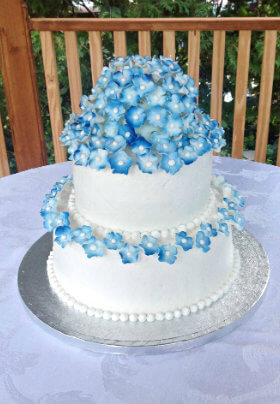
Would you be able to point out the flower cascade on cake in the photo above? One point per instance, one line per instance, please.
(142, 111)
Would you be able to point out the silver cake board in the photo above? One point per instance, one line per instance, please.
(188, 332)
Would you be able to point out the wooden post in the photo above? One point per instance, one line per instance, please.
(20, 85)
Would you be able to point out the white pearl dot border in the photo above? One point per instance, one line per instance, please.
(142, 317)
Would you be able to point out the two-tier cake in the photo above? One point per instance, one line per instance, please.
(143, 231)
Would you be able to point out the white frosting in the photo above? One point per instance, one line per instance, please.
(140, 201)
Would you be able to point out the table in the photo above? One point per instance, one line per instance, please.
(35, 367)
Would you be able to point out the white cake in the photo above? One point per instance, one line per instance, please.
(142, 234)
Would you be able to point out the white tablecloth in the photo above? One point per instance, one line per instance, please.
(35, 367)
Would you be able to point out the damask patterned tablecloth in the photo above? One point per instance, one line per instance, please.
(35, 367)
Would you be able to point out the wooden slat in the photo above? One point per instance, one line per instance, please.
(74, 72)
(169, 44)
(20, 85)
(241, 93)
(278, 152)
(4, 163)
(268, 62)
(144, 43)
(50, 68)
(217, 75)
(120, 43)
(96, 55)
(155, 24)
(193, 55)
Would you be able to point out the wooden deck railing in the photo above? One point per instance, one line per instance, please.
(22, 93)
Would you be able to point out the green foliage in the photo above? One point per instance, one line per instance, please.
(161, 8)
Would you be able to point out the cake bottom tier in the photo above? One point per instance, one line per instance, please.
(147, 289)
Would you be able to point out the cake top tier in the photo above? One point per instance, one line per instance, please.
(142, 111)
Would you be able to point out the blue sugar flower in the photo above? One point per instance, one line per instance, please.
(115, 144)
(157, 97)
(149, 245)
(81, 155)
(148, 163)
(82, 134)
(167, 253)
(111, 129)
(165, 145)
(224, 214)
(123, 78)
(112, 91)
(173, 127)
(95, 129)
(128, 133)
(135, 116)
(171, 85)
(238, 221)
(114, 110)
(238, 198)
(113, 241)
(189, 104)
(87, 115)
(171, 163)
(63, 235)
(120, 163)
(202, 241)
(94, 248)
(97, 142)
(98, 159)
(101, 102)
(141, 146)
(67, 137)
(105, 77)
(82, 234)
(129, 96)
(200, 145)
(188, 123)
(223, 227)
(192, 90)
(157, 116)
(188, 154)
(184, 241)
(144, 84)
(175, 105)
(49, 205)
(208, 229)
(129, 253)
(53, 220)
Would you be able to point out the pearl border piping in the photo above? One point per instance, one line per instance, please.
(142, 317)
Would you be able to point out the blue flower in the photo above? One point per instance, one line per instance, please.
(148, 163)
(189, 104)
(82, 134)
(97, 142)
(98, 159)
(173, 126)
(171, 163)
(49, 205)
(188, 123)
(123, 78)
(157, 97)
(135, 116)
(184, 241)
(216, 139)
(129, 96)
(112, 91)
(157, 116)
(129, 253)
(128, 133)
(175, 105)
(144, 84)
(113, 241)
(200, 145)
(63, 235)
(238, 221)
(111, 128)
(171, 85)
(101, 102)
(120, 163)
(104, 78)
(165, 145)
(94, 248)
(87, 115)
(202, 241)
(115, 144)
(188, 154)
(67, 137)
(224, 214)
(81, 155)
(141, 146)
(167, 253)
(95, 129)
(208, 229)
(53, 220)
(149, 245)
(114, 110)
(82, 234)
(223, 227)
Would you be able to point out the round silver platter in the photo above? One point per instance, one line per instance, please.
(140, 338)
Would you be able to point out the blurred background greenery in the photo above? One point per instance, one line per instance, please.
(161, 8)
